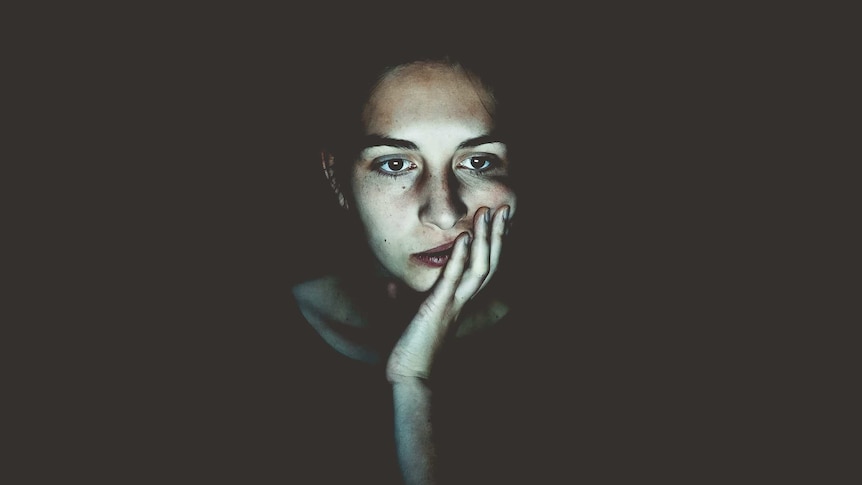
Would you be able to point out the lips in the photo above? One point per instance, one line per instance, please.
(435, 257)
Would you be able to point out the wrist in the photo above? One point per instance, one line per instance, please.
(408, 381)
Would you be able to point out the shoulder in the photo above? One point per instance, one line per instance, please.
(328, 307)
(320, 297)
(326, 299)
(314, 289)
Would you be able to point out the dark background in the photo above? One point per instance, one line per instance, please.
(184, 202)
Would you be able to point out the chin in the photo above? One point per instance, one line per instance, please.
(423, 283)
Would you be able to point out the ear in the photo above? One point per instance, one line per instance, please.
(327, 161)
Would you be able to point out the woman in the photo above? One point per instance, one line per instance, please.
(417, 322)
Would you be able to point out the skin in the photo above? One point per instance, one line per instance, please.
(431, 175)
(411, 200)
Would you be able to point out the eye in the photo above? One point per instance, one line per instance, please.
(394, 166)
(480, 163)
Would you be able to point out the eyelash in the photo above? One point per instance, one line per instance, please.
(378, 167)
(492, 160)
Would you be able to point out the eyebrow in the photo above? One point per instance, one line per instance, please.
(480, 140)
(369, 141)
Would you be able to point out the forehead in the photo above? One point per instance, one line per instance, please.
(427, 92)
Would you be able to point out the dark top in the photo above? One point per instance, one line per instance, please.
(342, 414)
(252, 394)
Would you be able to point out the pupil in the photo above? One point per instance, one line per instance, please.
(396, 164)
(477, 162)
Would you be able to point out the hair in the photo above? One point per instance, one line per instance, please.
(339, 121)
(342, 94)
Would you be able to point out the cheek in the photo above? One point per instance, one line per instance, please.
(379, 215)
(493, 197)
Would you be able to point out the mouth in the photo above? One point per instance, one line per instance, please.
(435, 257)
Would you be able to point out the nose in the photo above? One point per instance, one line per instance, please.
(442, 205)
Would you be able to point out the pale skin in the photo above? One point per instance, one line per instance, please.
(430, 190)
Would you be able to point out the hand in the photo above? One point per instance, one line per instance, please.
(471, 266)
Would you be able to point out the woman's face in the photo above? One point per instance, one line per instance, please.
(430, 160)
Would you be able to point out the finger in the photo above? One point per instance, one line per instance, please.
(415, 349)
(440, 299)
(454, 270)
(480, 253)
(498, 230)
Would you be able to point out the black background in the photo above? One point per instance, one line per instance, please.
(185, 199)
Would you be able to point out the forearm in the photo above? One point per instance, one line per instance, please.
(413, 431)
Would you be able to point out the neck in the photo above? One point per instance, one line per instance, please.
(384, 302)
(363, 317)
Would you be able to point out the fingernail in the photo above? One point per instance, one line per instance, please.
(506, 214)
(466, 240)
(488, 215)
